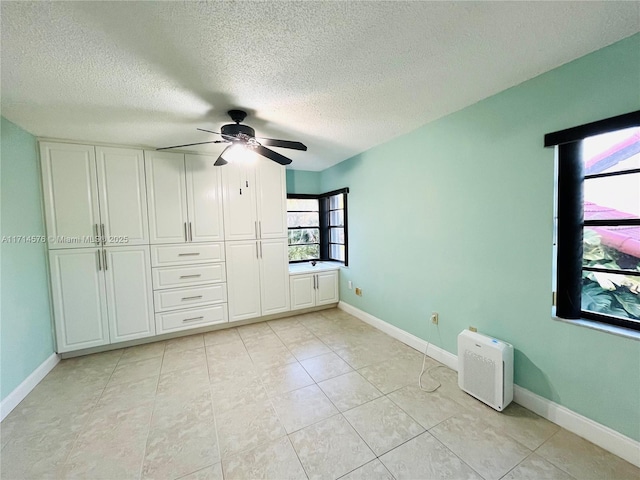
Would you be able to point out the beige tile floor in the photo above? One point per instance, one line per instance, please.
(318, 396)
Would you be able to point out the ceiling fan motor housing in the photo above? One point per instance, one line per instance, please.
(234, 132)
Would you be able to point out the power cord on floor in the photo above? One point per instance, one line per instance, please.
(422, 372)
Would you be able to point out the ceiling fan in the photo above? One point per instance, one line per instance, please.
(243, 136)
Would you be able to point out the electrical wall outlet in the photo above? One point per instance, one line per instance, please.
(434, 318)
(358, 291)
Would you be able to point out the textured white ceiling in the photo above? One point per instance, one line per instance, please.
(340, 77)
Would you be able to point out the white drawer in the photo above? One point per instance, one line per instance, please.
(176, 298)
(191, 318)
(170, 277)
(186, 254)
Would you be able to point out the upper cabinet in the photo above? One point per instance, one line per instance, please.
(185, 204)
(93, 195)
(254, 200)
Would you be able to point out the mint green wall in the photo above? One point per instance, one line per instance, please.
(303, 181)
(456, 217)
(26, 339)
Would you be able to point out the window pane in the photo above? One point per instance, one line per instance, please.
(611, 294)
(611, 247)
(612, 152)
(302, 219)
(337, 235)
(336, 218)
(336, 252)
(304, 252)
(336, 202)
(612, 197)
(304, 235)
(302, 204)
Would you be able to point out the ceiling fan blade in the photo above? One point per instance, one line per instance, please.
(271, 142)
(221, 161)
(191, 144)
(208, 131)
(271, 155)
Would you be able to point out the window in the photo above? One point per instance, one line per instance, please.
(598, 224)
(318, 226)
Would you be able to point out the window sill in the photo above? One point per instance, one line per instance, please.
(602, 327)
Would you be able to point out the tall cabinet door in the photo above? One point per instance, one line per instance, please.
(166, 197)
(204, 199)
(123, 195)
(129, 293)
(239, 193)
(274, 276)
(70, 194)
(79, 306)
(243, 279)
(272, 199)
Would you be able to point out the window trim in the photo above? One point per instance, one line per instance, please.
(323, 213)
(570, 216)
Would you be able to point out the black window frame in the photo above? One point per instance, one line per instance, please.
(570, 217)
(325, 224)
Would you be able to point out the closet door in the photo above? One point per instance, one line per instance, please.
(78, 291)
(123, 196)
(166, 195)
(204, 199)
(239, 194)
(70, 194)
(127, 273)
(272, 199)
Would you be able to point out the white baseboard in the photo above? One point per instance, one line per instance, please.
(12, 400)
(595, 432)
(603, 436)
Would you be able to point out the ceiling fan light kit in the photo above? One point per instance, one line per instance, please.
(244, 137)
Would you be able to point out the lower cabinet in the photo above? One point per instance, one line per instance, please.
(101, 296)
(257, 278)
(313, 289)
(190, 289)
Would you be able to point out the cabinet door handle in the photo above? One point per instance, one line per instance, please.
(99, 262)
(314, 282)
(195, 275)
(195, 297)
(188, 254)
(192, 319)
(190, 233)
(97, 234)
(104, 257)
(186, 238)
(104, 238)
(257, 250)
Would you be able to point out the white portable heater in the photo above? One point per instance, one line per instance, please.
(485, 369)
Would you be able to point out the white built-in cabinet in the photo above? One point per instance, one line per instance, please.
(314, 289)
(185, 201)
(143, 243)
(255, 200)
(257, 278)
(96, 215)
(255, 218)
(101, 295)
(93, 195)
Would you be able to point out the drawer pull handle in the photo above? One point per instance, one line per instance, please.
(192, 319)
(195, 297)
(188, 254)
(195, 275)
